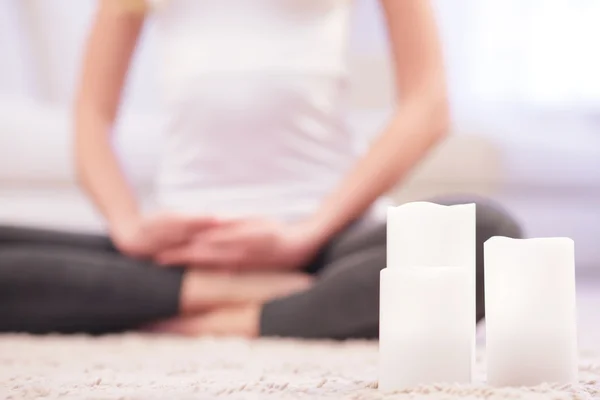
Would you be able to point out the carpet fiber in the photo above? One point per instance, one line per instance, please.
(140, 367)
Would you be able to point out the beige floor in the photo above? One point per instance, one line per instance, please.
(132, 367)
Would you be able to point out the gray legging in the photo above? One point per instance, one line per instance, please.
(67, 283)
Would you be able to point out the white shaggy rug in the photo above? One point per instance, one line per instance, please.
(132, 367)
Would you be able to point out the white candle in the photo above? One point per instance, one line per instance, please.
(425, 327)
(531, 333)
(423, 234)
(429, 282)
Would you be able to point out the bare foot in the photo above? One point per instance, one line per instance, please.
(203, 291)
(262, 287)
(242, 321)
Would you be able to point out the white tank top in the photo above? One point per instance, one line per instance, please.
(253, 93)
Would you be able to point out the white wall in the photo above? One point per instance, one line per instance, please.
(508, 51)
(17, 72)
(54, 31)
(58, 32)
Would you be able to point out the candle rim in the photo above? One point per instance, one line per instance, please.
(430, 205)
(430, 270)
(524, 241)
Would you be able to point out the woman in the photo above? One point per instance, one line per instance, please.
(259, 187)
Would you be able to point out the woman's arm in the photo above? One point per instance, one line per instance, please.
(107, 58)
(420, 121)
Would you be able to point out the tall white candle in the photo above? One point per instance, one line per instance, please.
(425, 327)
(423, 234)
(429, 282)
(531, 333)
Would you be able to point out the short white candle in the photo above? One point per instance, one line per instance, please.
(531, 333)
(430, 260)
(425, 327)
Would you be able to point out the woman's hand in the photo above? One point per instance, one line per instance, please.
(245, 244)
(146, 236)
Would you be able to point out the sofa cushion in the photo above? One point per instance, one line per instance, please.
(36, 149)
(52, 207)
(36, 144)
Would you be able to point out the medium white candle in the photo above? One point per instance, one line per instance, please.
(423, 234)
(425, 327)
(430, 259)
(531, 333)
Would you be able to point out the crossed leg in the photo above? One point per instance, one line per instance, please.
(67, 283)
(56, 282)
(344, 301)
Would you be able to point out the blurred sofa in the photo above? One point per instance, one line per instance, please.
(544, 167)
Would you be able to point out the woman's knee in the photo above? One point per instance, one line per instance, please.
(343, 304)
(492, 219)
(362, 236)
